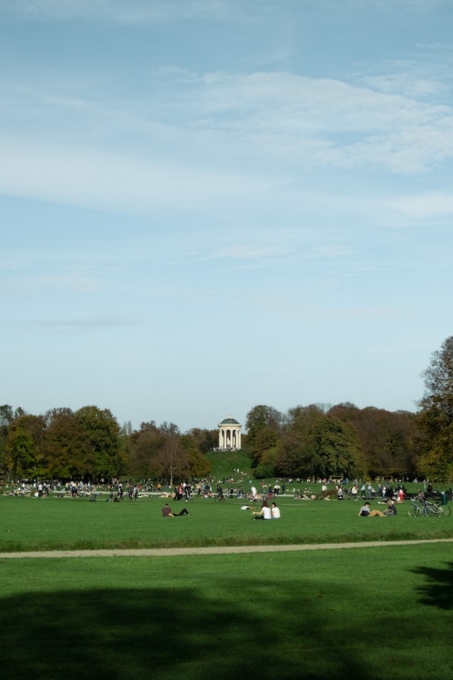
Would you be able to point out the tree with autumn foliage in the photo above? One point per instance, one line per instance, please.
(199, 467)
(318, 444)
(264, 426)
(67, 447)
(390, 441)
(435, 418)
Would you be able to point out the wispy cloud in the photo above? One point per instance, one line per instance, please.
(278, 253)
(324, 121)
(434, 205)
(334, 250)
(88, 323)
(303, 310)
(250, 253)
(406, 84)
(119, 11)
(240, 136)
(112, 180)
(142, 11)
(11, 263)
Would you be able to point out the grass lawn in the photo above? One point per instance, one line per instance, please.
(369, 614)
(50, 524)
(226, 463)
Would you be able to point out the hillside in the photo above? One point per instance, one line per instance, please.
(226, 463)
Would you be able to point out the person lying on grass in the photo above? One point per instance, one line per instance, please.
(365, 511)
(166, 512)
(264, 513)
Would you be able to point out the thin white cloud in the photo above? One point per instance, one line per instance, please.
(211, 137)
(88, 323)
(433, 205)
(113, 181)
(152, 11)
(301, 310)
(11, 263)
(323, 121)
(406, 84)
(334, 250)
(250, 253)
(275, 252)
(118, 11)
(55, 281)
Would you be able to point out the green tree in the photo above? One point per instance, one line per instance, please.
(296, 455)
(337, 449)
(142, 448)
(6, 418)
(199, 467)
(102, 431)
(23, 447)
(389, 441)
(267, 465)
(318, 445)
(435, 418)
(204, 440)
(264, 424)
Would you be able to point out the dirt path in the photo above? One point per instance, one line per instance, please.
(171, 552)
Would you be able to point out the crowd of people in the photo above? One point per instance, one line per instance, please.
(385, 493)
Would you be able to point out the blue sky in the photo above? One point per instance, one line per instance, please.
(211, 204)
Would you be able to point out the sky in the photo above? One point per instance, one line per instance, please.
(207, 205)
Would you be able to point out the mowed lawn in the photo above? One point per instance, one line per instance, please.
(49, 524)
(371, 614)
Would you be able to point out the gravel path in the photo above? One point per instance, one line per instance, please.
(170, 552)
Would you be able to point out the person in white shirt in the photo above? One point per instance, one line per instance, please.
(265, 512)
(275, 511)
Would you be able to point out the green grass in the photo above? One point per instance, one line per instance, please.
(226, 463)
(367, 614)
(51, 524)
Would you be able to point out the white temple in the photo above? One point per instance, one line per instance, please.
(229, 434)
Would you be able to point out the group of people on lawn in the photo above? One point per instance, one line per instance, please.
(266, 512)
(273, 512)
(365, 510)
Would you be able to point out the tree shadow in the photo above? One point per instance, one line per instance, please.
(115, 633)
(438, 591)
(250, 628)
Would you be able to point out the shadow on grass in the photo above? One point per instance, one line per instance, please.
(123, 633)
(438, 591)
(249, 629)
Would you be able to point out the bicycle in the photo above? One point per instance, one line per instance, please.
(422, 507)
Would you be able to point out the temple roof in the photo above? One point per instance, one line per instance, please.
(229, 421)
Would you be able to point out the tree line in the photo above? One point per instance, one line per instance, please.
(343, 440)
(340, 441)
(90, 444)
(307, 441)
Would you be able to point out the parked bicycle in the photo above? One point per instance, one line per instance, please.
(422, 507)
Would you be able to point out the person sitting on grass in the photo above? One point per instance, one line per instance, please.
(264, 513)
(365, 511)
(391, 509)
(166, 512)
(275, 511)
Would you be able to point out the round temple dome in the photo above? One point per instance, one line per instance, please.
(229, 421)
